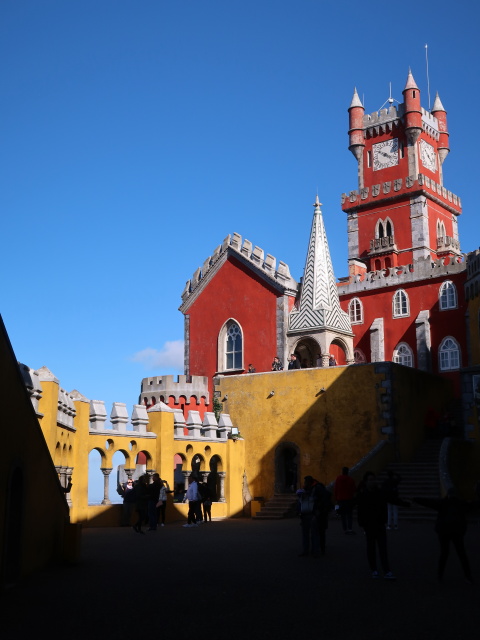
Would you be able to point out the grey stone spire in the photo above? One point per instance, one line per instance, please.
(437, 105)
(356, 102)
(319, 305)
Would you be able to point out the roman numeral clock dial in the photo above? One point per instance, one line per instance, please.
(385, 154)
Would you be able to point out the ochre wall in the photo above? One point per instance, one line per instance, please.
(332, 428)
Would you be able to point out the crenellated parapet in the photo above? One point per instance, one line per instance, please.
(119, 420)
(421, 269)
(158, 387)
(266, 266)
(399, 187)
(208, 429)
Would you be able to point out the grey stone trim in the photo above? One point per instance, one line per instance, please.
(377, 340)
(422, 269)
(417, 185)
(419, 225)
(186, 344)
(424, 341)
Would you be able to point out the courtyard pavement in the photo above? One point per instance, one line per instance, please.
(240, 578)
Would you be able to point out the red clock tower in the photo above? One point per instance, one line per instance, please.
(404, 292)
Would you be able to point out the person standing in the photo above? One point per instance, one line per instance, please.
(294, 363)
(162, 501)
(277, 364)
(372, 517)
(153, 498)
(314, 504)
(450, 527)
(193, 498)
(141, 502)
(344, 494)
(128, 494)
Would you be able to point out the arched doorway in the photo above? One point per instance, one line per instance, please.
(286, 468)
(307, 352)
(337, 349)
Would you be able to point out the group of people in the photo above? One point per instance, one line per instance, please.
(147, 500)
(199, 503)
(377, 511)
(294, 362)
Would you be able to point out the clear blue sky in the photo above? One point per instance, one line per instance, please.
(136, 134)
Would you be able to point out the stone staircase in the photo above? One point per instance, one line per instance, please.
(282, 505)
(420, 478)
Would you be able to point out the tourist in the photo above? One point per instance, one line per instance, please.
(372, 517)
(277, 364)
(451, 526)
(193, 497)
(294, 362)
(344, 494)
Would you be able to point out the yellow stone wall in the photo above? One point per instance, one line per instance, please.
(335, 416)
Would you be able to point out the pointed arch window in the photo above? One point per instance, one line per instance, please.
(448, 296)
(402, 354)
(355, 311)
(359, 356)
(230, 346)
(401, 305)
(449, 355)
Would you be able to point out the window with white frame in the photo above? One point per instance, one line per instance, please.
(233, 346)
(402, 354)
(449, 355)
(448, 296)
(355, 311)
(401, 306)
(359, 356)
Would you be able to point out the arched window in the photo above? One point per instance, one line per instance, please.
(402, 354)
(359, 356)
(449, 355)
(448, 296)
(233, 346)
(400, 304)
(440, 229)
(355, 311)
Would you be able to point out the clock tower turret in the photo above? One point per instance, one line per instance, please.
(400, 212)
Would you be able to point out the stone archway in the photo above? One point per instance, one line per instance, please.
(287, 457)
(307, 352)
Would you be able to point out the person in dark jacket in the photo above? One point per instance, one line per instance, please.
(294, 362)
(390, 488)
(372, 518)
(451, 526)
(314, 505)
(141, 502)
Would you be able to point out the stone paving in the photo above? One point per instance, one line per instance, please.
(243, 579)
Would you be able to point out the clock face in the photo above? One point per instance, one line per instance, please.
(385, 154)
(427, 153)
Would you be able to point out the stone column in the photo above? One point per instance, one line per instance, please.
(221, 497)
(424, 342)
(106, 472)
(129, 472)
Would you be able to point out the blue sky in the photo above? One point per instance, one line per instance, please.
(136, 134)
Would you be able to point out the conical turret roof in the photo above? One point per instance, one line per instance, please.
(319, 305)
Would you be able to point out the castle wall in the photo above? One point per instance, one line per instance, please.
(333, 417)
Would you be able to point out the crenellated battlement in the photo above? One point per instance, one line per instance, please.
(186, 386)
(395, 188)
(421, 269)
(390, 116)
(246, 252)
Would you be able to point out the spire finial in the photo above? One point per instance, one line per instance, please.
(317, 204)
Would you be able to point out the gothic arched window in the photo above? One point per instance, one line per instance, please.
(230, 346)
(448, 296)
(400, 304)
(355, 311)
(359, 356)
(402, 354)
(449, 355)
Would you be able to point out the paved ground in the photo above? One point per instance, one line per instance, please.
(243, 579)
